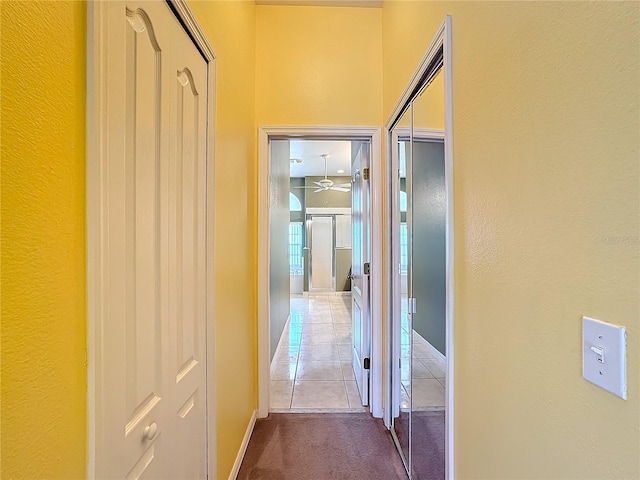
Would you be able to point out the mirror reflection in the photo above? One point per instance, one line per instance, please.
(426, 180)
(419, 315)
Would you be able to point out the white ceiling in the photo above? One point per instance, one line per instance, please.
(311, 151)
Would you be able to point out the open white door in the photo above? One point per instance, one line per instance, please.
(150, 252)
(321, 258)
(360, 311)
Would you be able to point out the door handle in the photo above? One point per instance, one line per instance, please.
(150, 431)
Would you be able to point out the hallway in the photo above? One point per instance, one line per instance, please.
(543, 127)
(312, 367)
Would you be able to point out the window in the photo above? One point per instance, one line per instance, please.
(343, 231)
(403, 249)
(295, 248)
(403, 202)
(294, 203)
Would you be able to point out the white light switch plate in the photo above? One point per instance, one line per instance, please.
(604, 355)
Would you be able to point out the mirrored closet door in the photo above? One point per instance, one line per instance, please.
(419, 299)
(426, 219)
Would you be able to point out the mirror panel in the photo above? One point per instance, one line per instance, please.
(427, 273)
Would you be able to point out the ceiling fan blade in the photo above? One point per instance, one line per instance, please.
(305, 187)
(318, 190)
(318, 184)
(340, 189)
(343, 185)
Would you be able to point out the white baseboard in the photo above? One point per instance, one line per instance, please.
(440, 358)
(243, 447)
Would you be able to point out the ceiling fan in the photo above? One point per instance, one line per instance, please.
(326, 184)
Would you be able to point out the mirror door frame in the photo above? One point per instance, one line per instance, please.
(440, 43)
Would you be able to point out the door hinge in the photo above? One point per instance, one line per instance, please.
(367, 268)
(365, 173)
(367, 363)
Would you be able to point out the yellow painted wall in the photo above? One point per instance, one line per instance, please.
(318, 65)
(43, 231)
(546, 125)
(546, 148)
(230, 28)
(43, 240)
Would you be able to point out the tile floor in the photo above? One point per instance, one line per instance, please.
(312, 369)
(425, 383)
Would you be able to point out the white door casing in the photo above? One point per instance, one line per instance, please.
(360, 308)
(379, 359)
(149, 245)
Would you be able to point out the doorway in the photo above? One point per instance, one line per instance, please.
(318, 322)
(321, 246)
(315, 363)
(312, 365)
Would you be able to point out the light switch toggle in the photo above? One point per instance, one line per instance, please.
(599, 351)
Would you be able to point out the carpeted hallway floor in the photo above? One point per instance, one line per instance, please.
(322, 446)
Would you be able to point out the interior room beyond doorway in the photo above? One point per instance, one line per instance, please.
(310, 276)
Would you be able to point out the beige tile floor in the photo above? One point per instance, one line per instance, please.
(424, 384)
(312, 369)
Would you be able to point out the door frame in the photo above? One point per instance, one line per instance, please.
(96, 131)
(378, 362)
(441, 41)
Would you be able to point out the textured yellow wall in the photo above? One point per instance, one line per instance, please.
(43, 231)
(546, 148)
(318, 65)
(230, 28)
(43, 240)
(546, 125)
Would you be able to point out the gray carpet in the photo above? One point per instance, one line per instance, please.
(322, 446)
(428, 454)
(428, 445)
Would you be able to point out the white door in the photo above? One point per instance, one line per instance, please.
(360, 278)
(321, 259)
(151, 382)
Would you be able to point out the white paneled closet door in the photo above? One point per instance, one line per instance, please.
(187, 258)
(152, 381)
